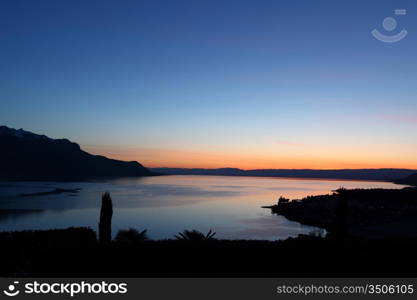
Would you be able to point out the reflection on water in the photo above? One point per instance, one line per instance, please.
(166, 205)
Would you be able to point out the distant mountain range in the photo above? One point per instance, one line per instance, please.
(358, 174)
(28, 156)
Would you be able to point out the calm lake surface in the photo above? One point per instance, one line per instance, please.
(165, 205)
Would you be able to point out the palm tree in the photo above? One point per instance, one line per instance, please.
(195, 235)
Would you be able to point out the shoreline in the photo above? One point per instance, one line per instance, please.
(365, 213)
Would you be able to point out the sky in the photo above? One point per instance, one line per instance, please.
(247, 84)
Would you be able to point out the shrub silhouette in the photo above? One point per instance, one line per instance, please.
(131, 235)
(106, 214)
(195, 235)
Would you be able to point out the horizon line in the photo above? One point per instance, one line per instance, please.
(290, 169)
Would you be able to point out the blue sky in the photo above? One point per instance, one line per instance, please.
(215, 83)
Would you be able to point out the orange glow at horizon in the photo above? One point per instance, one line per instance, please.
(318, 159)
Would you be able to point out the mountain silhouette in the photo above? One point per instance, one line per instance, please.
(28, 156)
(354, 174)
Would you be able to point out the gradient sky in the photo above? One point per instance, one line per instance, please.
(249, 84)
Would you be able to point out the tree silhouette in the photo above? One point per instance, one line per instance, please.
(342, 212)
(106, 214)
(195, 235)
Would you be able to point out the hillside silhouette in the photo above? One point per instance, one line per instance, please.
(357, 174)
(29, 156)
(365, 213)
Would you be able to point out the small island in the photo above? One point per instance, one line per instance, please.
(55, 191)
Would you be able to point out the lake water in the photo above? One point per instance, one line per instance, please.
(165, 205)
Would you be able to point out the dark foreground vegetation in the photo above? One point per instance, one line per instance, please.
(75, 252)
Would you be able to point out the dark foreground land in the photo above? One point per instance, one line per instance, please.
(75, 252)
(371, 233)
(26, 156)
